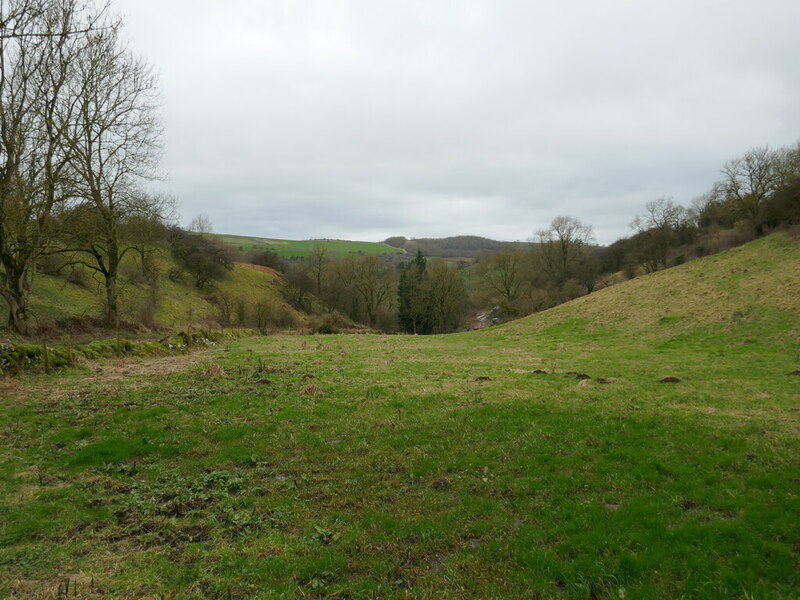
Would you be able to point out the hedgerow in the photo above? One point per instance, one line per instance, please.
(19, 358)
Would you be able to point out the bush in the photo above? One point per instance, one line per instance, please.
(79, 276)
(205, 258)
(133, 273)
(329, 323)
(271, 314)
(267, 258)
(51, 264)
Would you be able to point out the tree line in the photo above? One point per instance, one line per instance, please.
(79, 138)
(462, 246)
(372, 290)
(757, 193)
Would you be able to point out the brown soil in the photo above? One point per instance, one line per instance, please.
(133, 371)
(268, 270)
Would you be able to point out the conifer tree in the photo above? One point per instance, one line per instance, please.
(410, 302)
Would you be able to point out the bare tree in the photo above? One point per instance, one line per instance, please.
(201, 224)
(445, 297)
(39, 41)
(784, 205)
(373, 283)
(657, 229)
(318, 261)
(750, 179)
(503, 273)
(21, 19)
(113, 139)
(562, 247)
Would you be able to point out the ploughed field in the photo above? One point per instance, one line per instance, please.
(541, 459)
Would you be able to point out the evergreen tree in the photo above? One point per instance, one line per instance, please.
(410, 302)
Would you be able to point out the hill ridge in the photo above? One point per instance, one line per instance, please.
(763, 274)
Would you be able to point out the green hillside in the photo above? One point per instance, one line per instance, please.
(460, 246)
(721, 290)
(541, 459)
(172, 302)
(302, 248)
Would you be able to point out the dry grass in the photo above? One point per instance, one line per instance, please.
(700, 292)
(122, 373)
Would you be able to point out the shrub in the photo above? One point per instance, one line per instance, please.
(204, 258)
(330, 323)
(79, 276)
(267, 258)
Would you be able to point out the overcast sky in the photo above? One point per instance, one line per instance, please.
(361, 119)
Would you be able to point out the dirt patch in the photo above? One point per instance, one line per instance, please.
(669, 380)
(577, 375)
(688, 504)
(134, 371)
(261, 268)
(145, 367)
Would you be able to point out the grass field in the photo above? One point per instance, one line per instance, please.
(478, 465)
(171, 303)
(302, 248)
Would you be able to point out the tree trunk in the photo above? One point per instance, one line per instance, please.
(16, 293)
(112, 301)
(17, 313)
(112, 309)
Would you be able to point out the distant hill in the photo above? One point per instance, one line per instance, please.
(302, 248)
(461, 246)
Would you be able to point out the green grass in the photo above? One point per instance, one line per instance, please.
(302, 248)
(178, 303)
(372, 466)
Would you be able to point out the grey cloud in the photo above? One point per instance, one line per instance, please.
(365, 119)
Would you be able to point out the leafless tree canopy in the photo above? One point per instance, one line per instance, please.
(562, 245)
(201, 224)
(751, 179)
(79, 134)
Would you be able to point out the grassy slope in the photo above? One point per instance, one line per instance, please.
(735, 312)
(301, 248)
(179, 303)
(391, 467)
